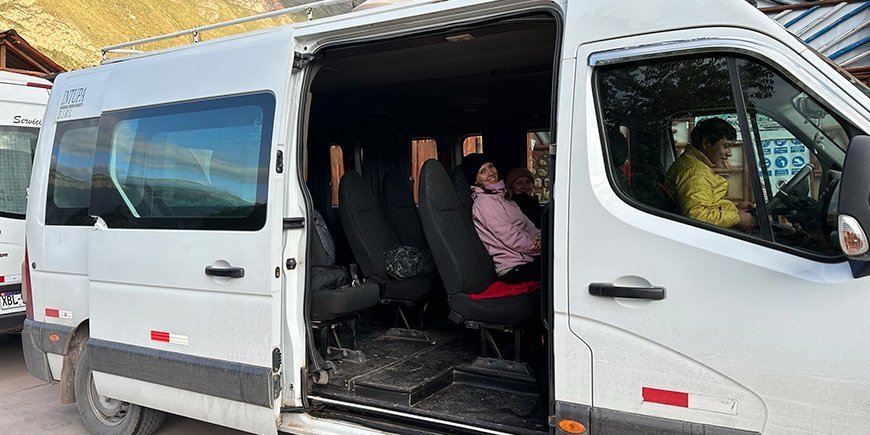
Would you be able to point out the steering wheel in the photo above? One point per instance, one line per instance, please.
(789, 192)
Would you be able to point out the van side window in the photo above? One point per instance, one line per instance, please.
(422, 149)
(336, 166)
(537, 159)
(472, 144)
(676, 142)
(198, 165)
(16, 158)
(69, 178)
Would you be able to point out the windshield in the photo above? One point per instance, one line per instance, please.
(17, 145)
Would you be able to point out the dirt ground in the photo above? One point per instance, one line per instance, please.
(30, 406)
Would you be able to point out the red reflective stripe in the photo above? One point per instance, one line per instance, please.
(665, 397)
(160, 336)
(39, 85)
(2, 279)
(51, 312)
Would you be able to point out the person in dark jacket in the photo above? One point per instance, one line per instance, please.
(518, 185)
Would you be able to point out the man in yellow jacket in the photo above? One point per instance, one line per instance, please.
(699, 191)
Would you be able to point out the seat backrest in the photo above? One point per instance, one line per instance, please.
(318, 256)
(460, 257)
(397, 203)
(463, 189)
(366, 228)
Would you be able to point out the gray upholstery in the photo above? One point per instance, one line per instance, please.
(411, 289)
(460, 257)
(335, 303)
(366, 228)
(463, 189)
(317, 253)
(397, 203)
(513, 310)
(369, 236)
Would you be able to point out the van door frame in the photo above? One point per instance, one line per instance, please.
(305, 62)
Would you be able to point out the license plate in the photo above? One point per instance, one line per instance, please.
(10, 300)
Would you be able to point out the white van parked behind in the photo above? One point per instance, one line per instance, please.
(22, 106)
(228, 230)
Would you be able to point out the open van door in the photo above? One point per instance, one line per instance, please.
(185, 254)
(694, 316)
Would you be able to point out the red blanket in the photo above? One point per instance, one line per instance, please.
(501, 289)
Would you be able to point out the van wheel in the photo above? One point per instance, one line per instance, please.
(104, 415)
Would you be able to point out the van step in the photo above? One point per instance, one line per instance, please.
(414, 378)
(484, 406)
(403, 395)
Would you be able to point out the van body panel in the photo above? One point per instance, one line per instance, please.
(21, 111)
(52, 246)
(755, 341)
(237, 415)
(593, 21)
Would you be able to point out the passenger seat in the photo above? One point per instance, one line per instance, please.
(463, 262)
(463, 189)
(370, 236)
(336, 297)
(397, 203)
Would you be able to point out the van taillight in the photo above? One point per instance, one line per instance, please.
(26, 293)
(39, 85)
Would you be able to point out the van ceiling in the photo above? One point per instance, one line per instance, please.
(502, 72)
(496, 48)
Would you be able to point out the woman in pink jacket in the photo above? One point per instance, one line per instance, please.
(510, 237)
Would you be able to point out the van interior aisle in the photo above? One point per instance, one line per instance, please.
(386, 107)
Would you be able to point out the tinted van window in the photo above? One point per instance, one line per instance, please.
(16, 158)
(678, 145)
(197, 165)
(69, 180)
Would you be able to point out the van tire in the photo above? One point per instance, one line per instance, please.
(109, 416)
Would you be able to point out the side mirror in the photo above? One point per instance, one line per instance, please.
(854, 202)
(807, 107)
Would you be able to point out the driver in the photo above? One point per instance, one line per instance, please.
(700, 192)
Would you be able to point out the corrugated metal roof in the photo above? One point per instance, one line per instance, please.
(838, 29)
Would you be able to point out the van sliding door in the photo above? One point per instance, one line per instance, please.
(184, 259)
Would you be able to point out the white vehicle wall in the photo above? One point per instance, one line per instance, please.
(22, 106)
(776, 348)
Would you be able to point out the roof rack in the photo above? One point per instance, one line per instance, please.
(308, 8)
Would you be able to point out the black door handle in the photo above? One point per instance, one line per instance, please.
(610, 290)
(228, 272)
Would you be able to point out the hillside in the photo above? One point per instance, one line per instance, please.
(71, 32)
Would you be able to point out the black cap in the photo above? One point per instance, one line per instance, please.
(471, 165)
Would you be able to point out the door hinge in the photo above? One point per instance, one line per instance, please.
(276, 359)
(552, 149)
(279, 162)
(301, 60)
(276, 385)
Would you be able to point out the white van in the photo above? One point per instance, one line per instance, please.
(22, 105)
(182, 201)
